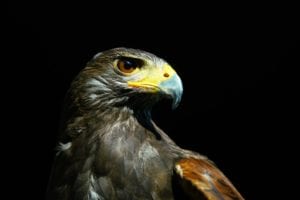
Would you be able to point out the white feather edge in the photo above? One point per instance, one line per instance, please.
(63, 147)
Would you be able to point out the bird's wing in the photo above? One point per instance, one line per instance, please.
(200, 179)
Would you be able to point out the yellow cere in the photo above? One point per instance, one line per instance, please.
(153, 77)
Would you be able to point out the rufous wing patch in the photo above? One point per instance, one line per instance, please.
(203, 180)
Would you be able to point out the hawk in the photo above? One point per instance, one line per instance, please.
(109, 147)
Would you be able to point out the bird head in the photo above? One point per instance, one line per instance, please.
(123, 76)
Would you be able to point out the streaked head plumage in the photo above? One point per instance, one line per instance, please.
(117, 76)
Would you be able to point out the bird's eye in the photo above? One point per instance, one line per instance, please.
(128, 65)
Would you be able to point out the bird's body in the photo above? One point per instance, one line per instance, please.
(111, 149)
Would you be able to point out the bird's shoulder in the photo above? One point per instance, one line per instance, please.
(199, 178)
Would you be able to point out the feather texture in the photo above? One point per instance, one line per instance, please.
(109, 148)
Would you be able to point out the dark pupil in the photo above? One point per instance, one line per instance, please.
(129, 64)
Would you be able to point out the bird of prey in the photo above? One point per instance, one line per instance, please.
(109, 147)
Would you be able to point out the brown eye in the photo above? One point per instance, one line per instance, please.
(128, 65)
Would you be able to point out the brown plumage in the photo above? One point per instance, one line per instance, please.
(109, 147)
(209, 181)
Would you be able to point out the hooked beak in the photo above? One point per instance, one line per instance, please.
(173, 88)
(164, 81)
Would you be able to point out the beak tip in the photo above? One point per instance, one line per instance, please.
(174, 89)
(175, 104)
(176, 99)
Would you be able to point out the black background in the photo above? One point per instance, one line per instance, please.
(237, 63)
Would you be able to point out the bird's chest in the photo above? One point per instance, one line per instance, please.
(133, 167)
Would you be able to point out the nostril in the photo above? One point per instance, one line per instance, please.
(166, 75)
